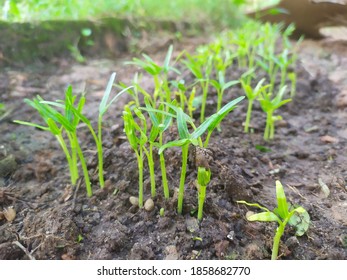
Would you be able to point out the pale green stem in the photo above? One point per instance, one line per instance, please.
(163, 169)
(73, 168)
(73, 152)
(84, 168)
(139, 156)
(183, 178)
(100, 152)
(248, 116)
(276, 243)
(149, 155)
(203, 103)
(269, 122)
(207, 140)
(202, 195)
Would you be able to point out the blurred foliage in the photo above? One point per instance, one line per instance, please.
(219, 12)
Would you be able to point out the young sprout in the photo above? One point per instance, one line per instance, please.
(160, 123)
(220, 85)
(269, 106)
(57, 123)
(137, 139)
(204, 177)
(201, 68)
(159, 74)
(187, 138)
(251, 94)
(284, 214)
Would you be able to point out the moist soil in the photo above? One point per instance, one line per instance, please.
(57, 221)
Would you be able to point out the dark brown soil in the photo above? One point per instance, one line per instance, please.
(55, 221)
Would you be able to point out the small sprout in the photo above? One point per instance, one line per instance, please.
(251, 94)
(79, 238)
(67, 122)
(285, 213)
(204, 177)
(197, 238)
(269, 106)
(162, 212)
(187, 138)
(262, 149)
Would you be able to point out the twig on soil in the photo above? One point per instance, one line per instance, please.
(25, 250)
(294, 189)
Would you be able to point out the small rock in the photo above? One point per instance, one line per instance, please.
(149, 205)
(134, 201)
(10, 214)
(329, 139)
(192, 224)
(7, 165)
(341, 99)
(292, 242)
(171, 253)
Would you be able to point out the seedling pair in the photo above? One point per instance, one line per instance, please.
(186, 138)
(283, 214)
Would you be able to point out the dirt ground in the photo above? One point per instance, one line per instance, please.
(55, 221)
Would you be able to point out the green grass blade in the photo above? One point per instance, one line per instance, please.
(103, 103)
(282, 205)
(264, 217)
(32, 124)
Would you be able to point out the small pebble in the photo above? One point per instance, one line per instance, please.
(10, 214)
(149, 205)
(134, 200)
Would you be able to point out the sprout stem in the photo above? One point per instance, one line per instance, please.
(139, 156)
(163, 169)
(185, 149)
(248, 116)
(84, 168)
(202, 195)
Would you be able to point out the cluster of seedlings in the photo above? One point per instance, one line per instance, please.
(173, 102)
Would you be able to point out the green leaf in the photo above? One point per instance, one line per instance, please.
(230, 84)
(300, 220)
(32, 124)
(282, 205)
(53, 127)
(204, 176)
(253, 205)
(264, 217)
(166, 65)
(103, 103)
(213, 121)
(176, 143)
(182, 125)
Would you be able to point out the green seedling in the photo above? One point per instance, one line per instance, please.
(160, 123)
(204, 177)
(68, 122)
(162, 212)
(159, 74)
(187, 138)
(74, 115)
(201, 68)
(251, 94)
(220, 85)
(137, 139)
(284, 214)
(269, 106)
